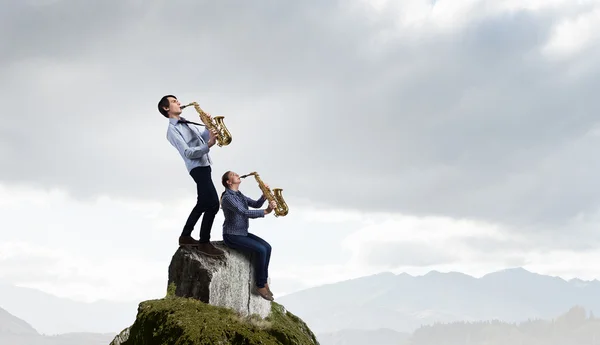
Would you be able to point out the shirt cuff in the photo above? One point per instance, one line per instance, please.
(257, 213)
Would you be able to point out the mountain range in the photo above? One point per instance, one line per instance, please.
(403, 302)
(15, 331)
(385, 306)
(53, 315)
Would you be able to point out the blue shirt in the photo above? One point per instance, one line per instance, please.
(191, 142)
(235, 208)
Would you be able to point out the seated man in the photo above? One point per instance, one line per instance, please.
(235, 228)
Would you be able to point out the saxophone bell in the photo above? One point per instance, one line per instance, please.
(214, 123)
(281, 208)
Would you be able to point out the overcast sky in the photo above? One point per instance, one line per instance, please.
(406, 135)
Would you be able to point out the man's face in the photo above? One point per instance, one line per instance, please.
(174, 106)
(234, 179)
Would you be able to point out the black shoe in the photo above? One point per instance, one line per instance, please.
(188, 241)
(208, 249)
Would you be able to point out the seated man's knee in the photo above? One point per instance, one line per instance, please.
(262, 251)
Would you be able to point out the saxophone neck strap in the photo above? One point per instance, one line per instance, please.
(187, 121)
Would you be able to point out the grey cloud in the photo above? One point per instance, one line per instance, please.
(404, 254)
(473, 124)
(60, 28)
(493, 246)
(510, 251)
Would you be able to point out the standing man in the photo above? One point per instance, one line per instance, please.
(194, 143)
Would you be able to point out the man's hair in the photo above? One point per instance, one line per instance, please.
(164, 103)
(224, 180)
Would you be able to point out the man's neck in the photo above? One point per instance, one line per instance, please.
(235, 188)
(176, 117)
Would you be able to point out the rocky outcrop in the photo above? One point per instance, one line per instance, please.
(210, 300)
(121, 337)
(187, 321)
(219, 281)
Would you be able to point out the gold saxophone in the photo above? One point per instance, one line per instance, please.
(223, 135)
(281, 208)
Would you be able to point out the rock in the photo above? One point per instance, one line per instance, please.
(121, 337)
(210, 301)
(226, 282)
(187, 321)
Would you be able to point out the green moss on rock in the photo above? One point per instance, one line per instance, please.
(187, 321)
(171, 290)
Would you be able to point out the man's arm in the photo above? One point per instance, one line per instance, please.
(256, 203)
(234, 205)
(176, 140)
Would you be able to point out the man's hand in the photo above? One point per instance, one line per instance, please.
(264, 195)
(272, 205)
(212, 139)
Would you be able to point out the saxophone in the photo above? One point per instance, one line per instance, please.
(281, 208)
(223, 135)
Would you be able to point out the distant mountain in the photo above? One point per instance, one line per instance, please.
(15, 331)
(362, 337)
(401, 303)
(404, 302)
(63, 339)
(50, 315)
(574, 327)
(10, 324)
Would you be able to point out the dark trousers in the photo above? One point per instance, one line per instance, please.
(259, 247)
(207, 203)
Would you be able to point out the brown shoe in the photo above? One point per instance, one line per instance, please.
(208, 249)
(188, 241)
(264, 293)
(269, 289)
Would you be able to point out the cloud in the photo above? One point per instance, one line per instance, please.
(118, 249)
(105, 249)
(449, 109)
(573, 35)
(406, 254)
(80, 277)
(409, 241)
(417, 245)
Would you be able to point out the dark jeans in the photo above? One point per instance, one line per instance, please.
(257, 246)
(207, 203)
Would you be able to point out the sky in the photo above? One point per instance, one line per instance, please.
(407, 136)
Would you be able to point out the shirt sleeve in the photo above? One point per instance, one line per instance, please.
(256, 203)
(235, 205)
(176, 140)
(204, 132)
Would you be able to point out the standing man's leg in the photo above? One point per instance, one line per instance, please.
(211, 209)
(208, 203)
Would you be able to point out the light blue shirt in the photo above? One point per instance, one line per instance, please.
(191, 142)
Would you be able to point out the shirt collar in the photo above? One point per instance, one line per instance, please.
(231, 191)
(173, 121)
